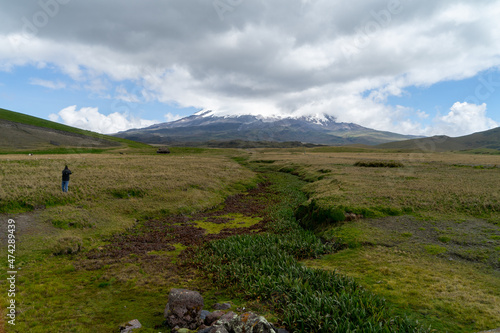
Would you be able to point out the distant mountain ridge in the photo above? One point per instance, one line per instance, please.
(489, 139)
(208, 126)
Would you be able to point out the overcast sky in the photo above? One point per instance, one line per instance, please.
(414, 67)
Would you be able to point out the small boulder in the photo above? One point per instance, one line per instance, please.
(204, 314)
(213, 317)
(252, 323)
(214, 329)
(247, 322)
(184, 309)
(222, 306)
(131, 325)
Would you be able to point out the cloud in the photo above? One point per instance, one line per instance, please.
(123, 95)
(171, 117)
(91, 119)
(48, 84)
(465, 118)
(280, 57)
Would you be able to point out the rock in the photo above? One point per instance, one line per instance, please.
(213, 317)
(131, 325)
(247, 322)
(204, 314)
(223, 306)
(251, 323)
(218, 329)
(163, 150)
(226, 318)
(184, 309)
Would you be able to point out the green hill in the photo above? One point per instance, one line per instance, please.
(23, 133)
(487, 141)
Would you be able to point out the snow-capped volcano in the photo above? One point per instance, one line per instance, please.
(207, 125)
(320, 119)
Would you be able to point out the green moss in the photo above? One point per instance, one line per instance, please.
(233, 221)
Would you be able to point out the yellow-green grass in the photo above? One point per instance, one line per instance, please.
(107, 193)
(452, 296)
(430, 185)
(451, 282)
(439, 268)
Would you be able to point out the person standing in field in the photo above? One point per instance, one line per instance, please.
(65, 178)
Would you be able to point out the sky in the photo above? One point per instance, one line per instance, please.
(427, 67)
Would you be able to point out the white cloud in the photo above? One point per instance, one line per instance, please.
(171, 117)
(124, 95)
(279, 57)
(91, 119)
(47, 83)
(465, 118)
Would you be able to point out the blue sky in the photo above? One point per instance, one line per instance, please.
(424, 68)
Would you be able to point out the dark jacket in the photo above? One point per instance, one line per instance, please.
(65, 174)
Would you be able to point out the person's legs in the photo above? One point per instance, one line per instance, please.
(65, 186)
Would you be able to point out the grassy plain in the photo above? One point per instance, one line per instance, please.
(108, 193)
(429, 239)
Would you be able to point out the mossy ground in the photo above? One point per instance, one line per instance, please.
(233, 220)
(444, 271)
(453, 297)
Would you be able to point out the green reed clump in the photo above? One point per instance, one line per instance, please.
(266, 267)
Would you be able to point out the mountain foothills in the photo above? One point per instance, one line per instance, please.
(488, 141)
(20, 132)
(207, 126)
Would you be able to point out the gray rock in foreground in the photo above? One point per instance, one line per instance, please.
(247, 322)
(131, 325)
(184, 309)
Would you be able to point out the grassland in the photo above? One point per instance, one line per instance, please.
(108, 193)
(429, 237)
(428, 242)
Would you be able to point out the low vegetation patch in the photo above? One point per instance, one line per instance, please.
(265, 267)
(379, 164)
